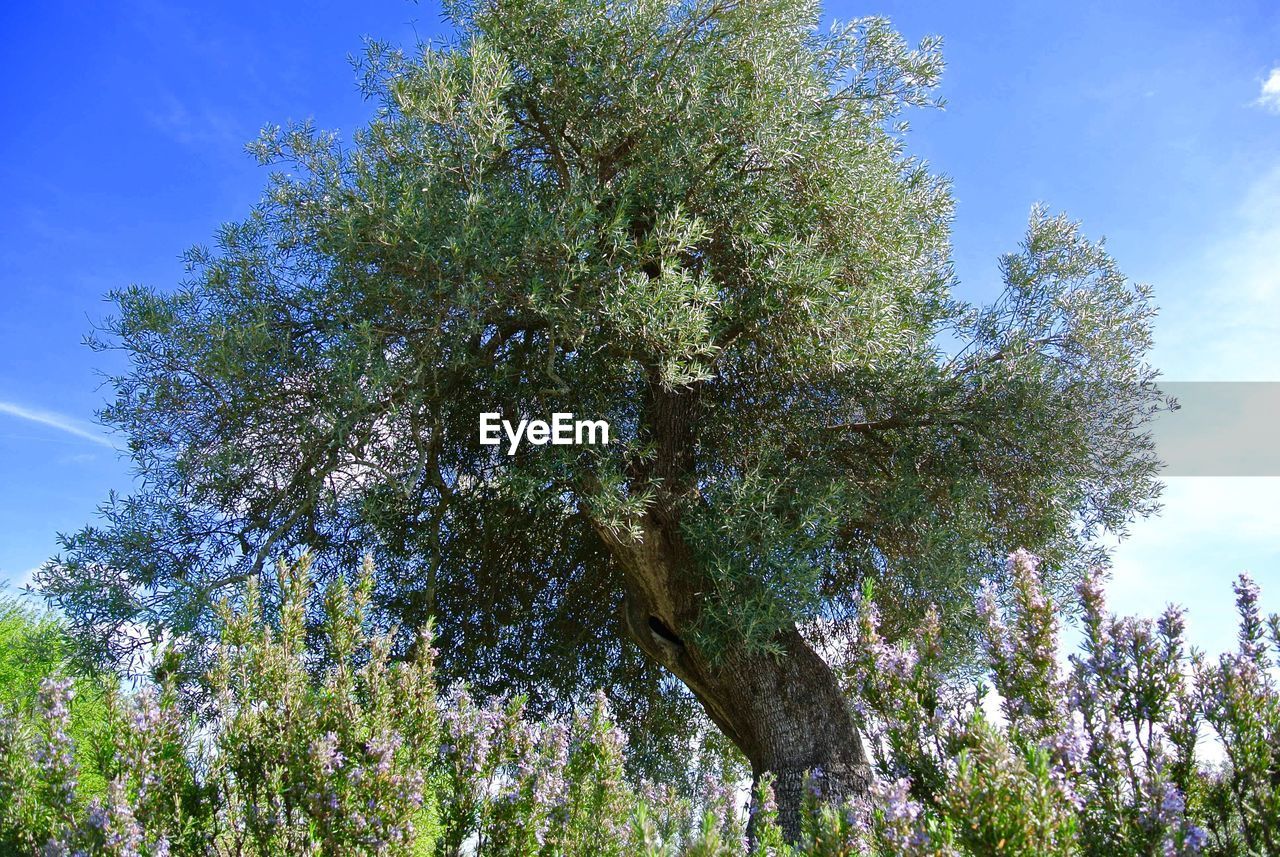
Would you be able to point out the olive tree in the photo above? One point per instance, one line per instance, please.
(698, 221)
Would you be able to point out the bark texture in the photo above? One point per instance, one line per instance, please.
(785, 712)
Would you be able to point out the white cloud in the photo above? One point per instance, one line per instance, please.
(1270, 96)
(1220, 309)
(1219, 321)
(57, 421)
(14, 582)
(1211, 530)
(1239, 509)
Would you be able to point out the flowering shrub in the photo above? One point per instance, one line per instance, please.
(355, 754)
(1238, 698)
(1100, 760)
(352, 755)
(34, 647)
(288, 764)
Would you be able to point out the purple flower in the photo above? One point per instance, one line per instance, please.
(326, 753)
(897, 661)
(896, 802)
(1023, 562)
(1069, 746)
(122, 834)
(1195, 838)
(382, 751)
(55, 752)
(1253, 644)
(988, 601)
(1173, 804)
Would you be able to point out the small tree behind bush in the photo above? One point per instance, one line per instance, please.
(34, 647)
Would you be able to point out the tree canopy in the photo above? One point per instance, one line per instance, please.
(696, 219)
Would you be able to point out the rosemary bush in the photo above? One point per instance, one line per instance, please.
(360, 753)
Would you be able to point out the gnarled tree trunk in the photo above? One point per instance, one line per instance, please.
(786, 713)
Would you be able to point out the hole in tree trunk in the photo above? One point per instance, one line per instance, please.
(663, 632)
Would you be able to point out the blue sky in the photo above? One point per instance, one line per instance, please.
(1156, 123)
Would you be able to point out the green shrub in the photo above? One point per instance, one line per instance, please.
(34, 647)
(358, 754)
(1100, 760)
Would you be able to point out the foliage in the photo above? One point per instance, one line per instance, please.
(1239, 700)
(697, 219)
(353, 755)
(1098, 761)
(34, 647)
(345, 755)
(288, 763)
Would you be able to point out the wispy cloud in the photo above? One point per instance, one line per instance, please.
(1211, 529)
(14, 583)
(201, 126)
(1220, 310)
(1220, 305)
(58, 421)
(1270, 96)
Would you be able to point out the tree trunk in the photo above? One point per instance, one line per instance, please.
(786, 713)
